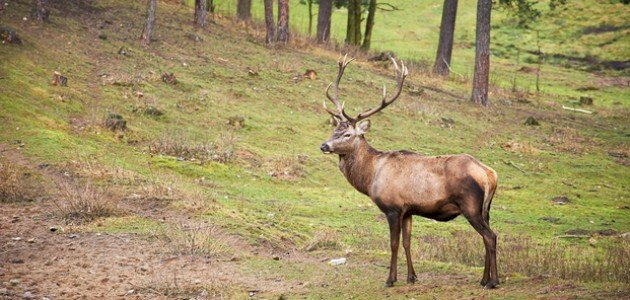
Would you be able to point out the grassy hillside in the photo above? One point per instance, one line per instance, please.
(570, 36)
(236, 149)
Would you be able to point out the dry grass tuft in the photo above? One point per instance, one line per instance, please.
(568, 139)
(176, 145)
(197, 240)
(286, 168)
(80, 202)
(521, 254)
(180, 288)
(324, 240)
(16, 185)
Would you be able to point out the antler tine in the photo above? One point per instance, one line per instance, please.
(341, 114)
(401, 74)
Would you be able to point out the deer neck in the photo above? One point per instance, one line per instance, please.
(359, 166)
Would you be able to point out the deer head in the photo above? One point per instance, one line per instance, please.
(351, 129)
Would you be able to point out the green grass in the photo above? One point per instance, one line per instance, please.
(284, 120)
(412, 32)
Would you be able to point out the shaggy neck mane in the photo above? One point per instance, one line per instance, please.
(359, 166)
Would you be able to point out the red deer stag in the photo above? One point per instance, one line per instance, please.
(403, 183)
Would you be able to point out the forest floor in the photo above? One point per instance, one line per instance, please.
(217, 187)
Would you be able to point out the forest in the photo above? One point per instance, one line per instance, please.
(179, 149)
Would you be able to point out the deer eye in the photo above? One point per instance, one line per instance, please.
(347, 135)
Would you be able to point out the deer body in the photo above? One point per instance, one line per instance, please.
(403, 183)
(411, 183)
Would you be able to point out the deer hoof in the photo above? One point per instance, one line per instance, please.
(412, 279)
(389, 283)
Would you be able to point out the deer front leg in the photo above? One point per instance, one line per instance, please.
(406, 233)
(394, 221)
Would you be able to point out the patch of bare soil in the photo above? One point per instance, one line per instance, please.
(63, 265)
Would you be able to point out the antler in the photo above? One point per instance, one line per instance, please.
(401, 74)
(341, 114)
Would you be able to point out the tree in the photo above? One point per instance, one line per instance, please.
(283, 21)
(482, 53)
(42, 10)
(353, 33)
(445, 46)
(244, 10)
(200, 12)
(269, 22)
(369, 25)
(148, 31)
(323, 21)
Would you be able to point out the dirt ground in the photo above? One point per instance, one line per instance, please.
(37, 262)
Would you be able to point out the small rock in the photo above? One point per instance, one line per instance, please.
(43, 166)
(17, 261)
(16, 239)
(561, 200)
(276, 257)
(625, 235)
(53, 229)
(102, 36)
(122, 51)
(30, 241)
(584, 100)
(337, 261)
(28, 295)
(73, 236)
(203, 295)
(4, 292)
(531, 121)
(14, 281)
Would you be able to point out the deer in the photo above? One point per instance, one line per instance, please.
(403, 183)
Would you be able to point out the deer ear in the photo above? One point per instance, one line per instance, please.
(363, 127)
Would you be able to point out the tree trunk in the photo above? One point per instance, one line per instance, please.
(244, 10)
(310, 17)
(210, 6)
(269, 22)
(445, 45)
(369, 25)
(148, 31)
(42, 10)
(323, 21)
(283, 21)
(200, 12)
(353, 33)
(482, 53)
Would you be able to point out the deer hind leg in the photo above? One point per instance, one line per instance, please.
(394, 219)
(406, 233)
(490, 277)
